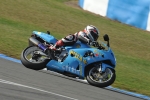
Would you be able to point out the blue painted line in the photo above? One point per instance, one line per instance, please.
(109, 87)
(129, 93)
(9, 58)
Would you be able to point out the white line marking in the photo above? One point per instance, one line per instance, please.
(12, 83)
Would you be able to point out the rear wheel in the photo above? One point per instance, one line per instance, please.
(31, 58)
(100, 79)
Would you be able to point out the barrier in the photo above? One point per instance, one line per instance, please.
(134, 13)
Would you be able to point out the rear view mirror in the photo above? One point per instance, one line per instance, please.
(106, 37)
(48, 32)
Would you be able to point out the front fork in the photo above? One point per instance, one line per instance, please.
(103, 67)
(102, 73)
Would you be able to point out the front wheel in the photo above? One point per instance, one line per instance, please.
(31, 58)
(100, 79)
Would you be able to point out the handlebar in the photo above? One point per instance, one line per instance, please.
(99, 46)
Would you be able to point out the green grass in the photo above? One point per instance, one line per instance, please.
(18, 18)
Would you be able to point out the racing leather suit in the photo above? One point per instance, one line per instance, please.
(71, 39)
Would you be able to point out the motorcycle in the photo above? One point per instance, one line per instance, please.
(96, 65)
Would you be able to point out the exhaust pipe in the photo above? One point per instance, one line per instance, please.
(34, 41)
(37, 43)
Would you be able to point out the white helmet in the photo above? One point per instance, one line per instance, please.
(92, 32)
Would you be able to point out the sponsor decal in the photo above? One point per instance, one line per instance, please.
(78, 56)
(71, 69)
(39, 33)
(97, 53)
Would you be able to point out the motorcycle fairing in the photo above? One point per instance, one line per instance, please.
(69, 65)
(104, 66)
(47, 37)
(109, 55)
(74, 63)
(98, 56)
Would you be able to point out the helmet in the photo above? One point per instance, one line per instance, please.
(92, 32)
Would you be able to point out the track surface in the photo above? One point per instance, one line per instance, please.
(20, 83)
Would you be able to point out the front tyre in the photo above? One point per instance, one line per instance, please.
(100, 79)
(32, 60)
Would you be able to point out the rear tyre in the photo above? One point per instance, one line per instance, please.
(30, 59)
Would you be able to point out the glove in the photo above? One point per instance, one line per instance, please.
(90, 43)
(94, 43)
(52, 47)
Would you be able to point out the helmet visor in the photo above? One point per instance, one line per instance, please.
(94, 35)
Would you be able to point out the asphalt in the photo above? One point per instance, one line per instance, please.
(20, 83)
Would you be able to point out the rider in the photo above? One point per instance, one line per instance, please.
(89, 35)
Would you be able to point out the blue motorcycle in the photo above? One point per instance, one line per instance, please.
(95, 64)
